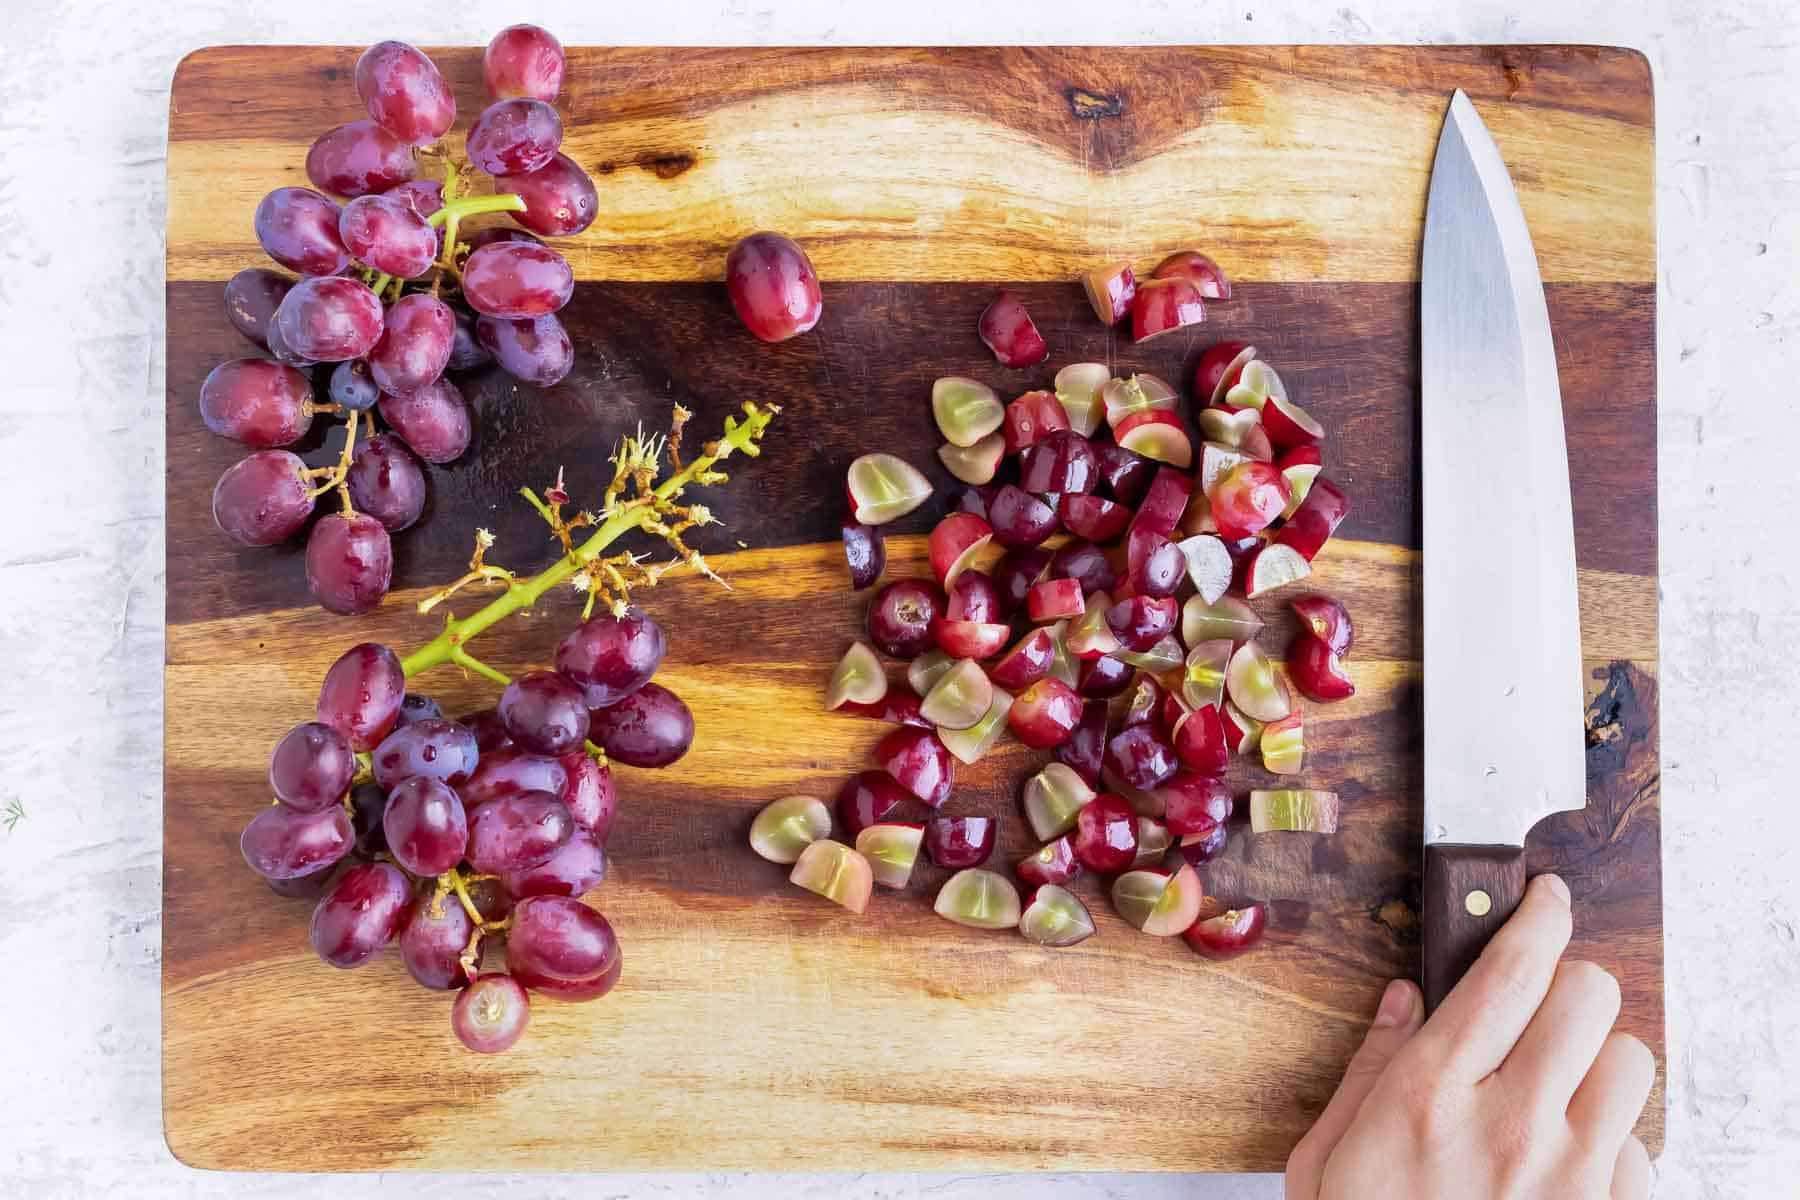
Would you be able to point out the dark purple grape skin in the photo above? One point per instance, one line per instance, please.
(434, 421)
(514, 136)
(560, 200)
(262, 499)
(311, 767)
(958, 842)
(415, 345)
(1085, 563)
(359, 158)
(284, 843)
(865, 549)
(1160, 567)
(509, 772)
(517, 279)
(490, 899)
(773, 286)
(1207, 846)
(1085, 750)
(368, 805)
(361, 694)
(257, 402)
(298, 228)
(611, 657)
(433, 747)
(489, 730)
(1019, 518)
(466, 351)
(1142, 621)
(523, 60)
(304, 887)
(592, 799)
(649, 728)
(1015, 574)
(544, 713)
(974, 499)
(360, 914)
(574, 870)
(404, 92)
(866, 798)
(388, 234)
(349, 563)
(386, 482)
(901, 615)
(1105, 677)
(353, 387)
(251, 298)
(432, 941)
(561, 938)
(1060, 461)
(535, 351)
(1127, 475)
(330, 319)
(280, 349)
(425, 826)
(415, 708)
(491, 1014)
(511, 833)
(1141, 756)
(972, 597)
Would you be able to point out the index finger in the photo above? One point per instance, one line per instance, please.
(1478, 1023)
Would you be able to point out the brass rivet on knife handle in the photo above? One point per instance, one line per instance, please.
(1470, 891)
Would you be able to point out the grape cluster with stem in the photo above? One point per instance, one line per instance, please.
(448, 835)
(393, 293)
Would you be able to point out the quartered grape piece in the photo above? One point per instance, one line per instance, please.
(1053, 798)
(785, 827)
(836, 872)
(978, 899)
(1293, 810)
(892, 849)
(1055, 917)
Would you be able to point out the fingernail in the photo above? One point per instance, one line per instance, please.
(1555, 884)
(1396, 1005)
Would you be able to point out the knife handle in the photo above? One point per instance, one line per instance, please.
(1470, 891)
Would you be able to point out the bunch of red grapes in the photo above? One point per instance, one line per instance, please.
(392, 297)
(447, 835)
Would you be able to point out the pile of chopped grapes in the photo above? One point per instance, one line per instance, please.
(394, 297)
(1089, 596)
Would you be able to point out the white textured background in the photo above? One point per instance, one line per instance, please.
(83, 98)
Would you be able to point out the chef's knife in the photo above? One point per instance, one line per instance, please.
(1505, 743)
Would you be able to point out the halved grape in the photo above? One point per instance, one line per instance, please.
(1056, 917)
(1255, 685)
(978, 899)
(360, 914)
(836, 872)
(959, 698)
(783, 828)
(892, 849)
(490, 1015)
(1203, 678)
(966, 411)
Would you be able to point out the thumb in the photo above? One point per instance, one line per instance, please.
(1401, 1013)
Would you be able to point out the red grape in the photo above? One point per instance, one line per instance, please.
(773, 286)
(284, 843)
(866, 798)
(432, 943)
(360, 914)
(1141, 756)
(490, 733)
(426, 828)
(575, 869)
(1105, 677)
(404, 92)
(1106, 834)
(279, 348)
(610, 657)
(865, 549)
(1087, 565)
(901, 616)
(415, 345)
(1126, 473)
(298, 228)
(388, 234)
(511, 833)
(490, 1015)
(592, 799)
(523, 60)
(311, 767)
(349, 563)
(514, 136)
(1142, 621)
(919, 762)
(434, 421)
(1044, 714)
(958, 842)
(1016, 574)
(649, 728)
(544, 713)
(1019, 518)
(1085, 749)
(330, 319)
(1010, 333)
(386, 482)
(973, 597)
(353, 387)
(508, 772)
(257, 402)
(361, 695)
(432, 747)
(1157, 565)
(517, 279)
(423, 196)
(304, 887)
(251, 298)
(497, 233)
(358, 159)
(560, 200)
(536, 350)
(262, 499)
(466, 351)
(561, 938)
(1061, 461)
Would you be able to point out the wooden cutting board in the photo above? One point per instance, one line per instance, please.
(758, 1027)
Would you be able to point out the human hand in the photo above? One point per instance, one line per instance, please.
(1515, 1089)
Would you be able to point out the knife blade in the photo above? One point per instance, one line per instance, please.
(1505, 742)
